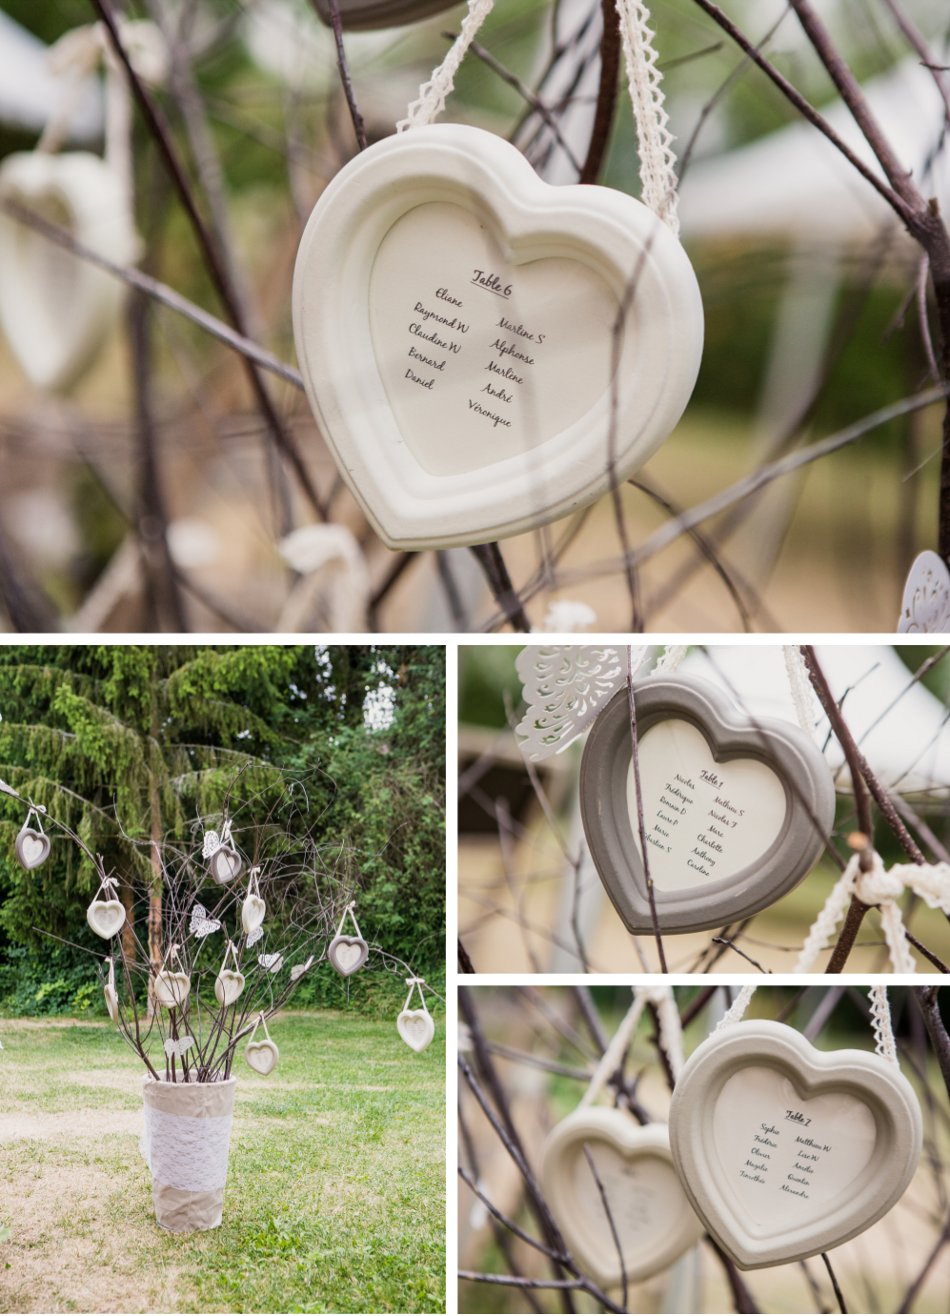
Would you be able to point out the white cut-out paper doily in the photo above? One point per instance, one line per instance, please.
(925, 608)
(565, 687)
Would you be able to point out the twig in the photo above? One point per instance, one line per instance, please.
(606, 97)
(834, 1283)
(343, 67)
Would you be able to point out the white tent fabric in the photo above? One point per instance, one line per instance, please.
(903, 730)
(30, 91)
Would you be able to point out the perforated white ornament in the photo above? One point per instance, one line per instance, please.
(565, 686)
(925, 608)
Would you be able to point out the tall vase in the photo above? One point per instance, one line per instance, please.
(185, 1144)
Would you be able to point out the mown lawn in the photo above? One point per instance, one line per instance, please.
(336, 1189)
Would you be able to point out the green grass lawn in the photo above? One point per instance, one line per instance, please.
(336, 1189)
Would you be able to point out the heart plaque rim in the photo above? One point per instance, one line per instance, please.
(628, 1138)
(729, 733)
(863, 1074)
(606, 231)
(347, 941)
(401, 1020)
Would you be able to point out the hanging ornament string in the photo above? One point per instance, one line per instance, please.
(655, 141)
(416, 985)
(881, 887)
(432, 94)
(350, 910)
(881, 1024)
(230, 950)
(736, 1012)
(618, 1044)
(800, 686)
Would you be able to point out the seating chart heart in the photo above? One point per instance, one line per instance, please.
(225, 864)
(925, 608)
(262, 1056)
(786, 1151)
(416, 1028)
(105, 917)
(347, 954)
(650, 1211)
(172, 989)
(228, 986)
(464, 330)
(55, 309)
(736, 810)
(32, 847)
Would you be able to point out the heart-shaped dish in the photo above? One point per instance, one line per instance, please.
(416, 1028)
(737, 810)
(650, 1211)
(484, 352)
(56, 309)
(347, 954)
(786, 1151)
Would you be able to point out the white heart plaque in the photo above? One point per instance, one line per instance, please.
(262, 1056)
(925, 608)
(416, 1028)
(464, 330)
(56, 309)
(650, 1211)
(347, 954)
(252, 913)
(786, 1151)
(172, 989)
(228, 986)
(32, 847)
(105, 917)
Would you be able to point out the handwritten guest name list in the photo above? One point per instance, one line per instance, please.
(704, 820)
(482, 357)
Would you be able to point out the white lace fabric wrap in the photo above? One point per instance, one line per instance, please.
(187, 1133)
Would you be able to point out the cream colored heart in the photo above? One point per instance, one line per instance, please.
(105, 917)
(225, 864)
(228, 986)
(252, 913)
(262, 1056)
(347, 954)
(787, 1151)
(416, 1028)
(56, 309)
(32, 847)
(112, 1002)
(649, 1210)
(456, 325)
(172, 989)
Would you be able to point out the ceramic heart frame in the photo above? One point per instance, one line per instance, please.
(737, 810)
(56, 309)
(262, 1056)
(650, 1211)
(252, 913)
(786, 1151)
(172, 989)
(228, 986)
(32, 848)
(416, 1028)
(456, 326)
(360, 15)
(225, 864)
(106, 917)
(347, 954)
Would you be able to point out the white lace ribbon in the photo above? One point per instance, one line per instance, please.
(881, 887)
(186, 1151)
(881, 1024)
(432, 94)
(736, 1012)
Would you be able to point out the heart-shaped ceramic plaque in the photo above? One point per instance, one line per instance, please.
(32, 847)
(55, 309)
(252, 913)
(105, 917)
(786, 1151)
(650, 1211)
(347, 954)
(736, 810)
(362, 14)
(112, 1002)
(262, 1056)
(228, 986)
(464, 331)
(416, 1028)
(925, 608)
(172, 989)
(225, 864)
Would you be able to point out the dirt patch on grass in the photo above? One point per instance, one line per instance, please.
(62, 1126)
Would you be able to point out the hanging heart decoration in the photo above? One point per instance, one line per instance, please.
(650, 1211)
(273, 963)
(299, 970)
(225, 864)
(416, 1028)
(110, 994)
(106, 917)
(736, 809)
(228, 986)
(178, 1047)
(262, 1056)
(484, 352)
(347, 954)
(171, 988)
(925, 608)
(786, 1151)
(252, 913)
(359, 15)
(56, 309)
(32, 847)
(201, 923)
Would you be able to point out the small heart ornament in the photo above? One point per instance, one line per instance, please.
(172, 989)
(110, 994)
(56, 309)
(347, 954)
(32, 847)
(786, 1151)
(360, 15)
(252, 913)
(650, 1211)
(262, 1056)
(925, 608)
(105, 917)
(225, 864)
(736, 809)
(228, 986)
(416, 1028)
(484, 352)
